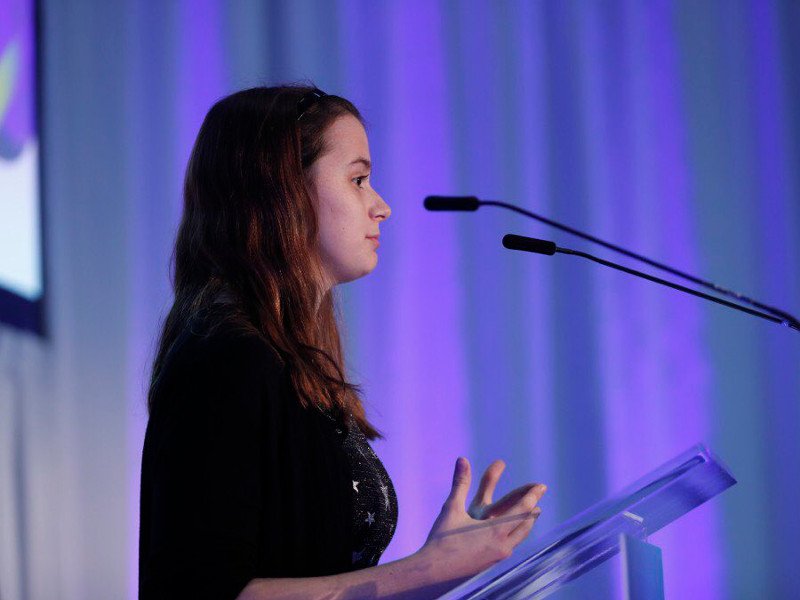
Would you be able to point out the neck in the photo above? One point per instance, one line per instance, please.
(323, 290)
(320, 297)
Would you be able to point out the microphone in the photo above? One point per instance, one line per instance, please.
(471, 203)
(520, 242)
(526, 244)
(459, 203)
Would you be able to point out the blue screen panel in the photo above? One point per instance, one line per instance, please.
(21, 254)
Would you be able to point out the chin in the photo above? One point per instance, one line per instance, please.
(358, 274)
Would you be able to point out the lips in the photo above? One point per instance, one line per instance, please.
(374, 238)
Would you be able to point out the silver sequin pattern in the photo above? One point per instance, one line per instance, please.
(374, 515)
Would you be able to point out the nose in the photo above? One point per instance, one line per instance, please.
(380, 210)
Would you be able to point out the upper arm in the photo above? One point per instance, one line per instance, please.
(207, 484)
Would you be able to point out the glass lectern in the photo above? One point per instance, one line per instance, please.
(619, 524)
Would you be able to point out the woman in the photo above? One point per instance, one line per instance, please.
(258, 480)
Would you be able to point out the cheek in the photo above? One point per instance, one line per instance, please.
(339, 215)
(332, 222)
(339, 225)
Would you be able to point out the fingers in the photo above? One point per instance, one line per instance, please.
(528, 503)
(508, 502)
(521, 531)
(461, 480)
(489, 482)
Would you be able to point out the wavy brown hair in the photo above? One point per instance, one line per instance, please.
(246, 249)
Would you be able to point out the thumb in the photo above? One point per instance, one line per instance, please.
(461, 480)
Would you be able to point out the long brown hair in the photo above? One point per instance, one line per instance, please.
(247, 244)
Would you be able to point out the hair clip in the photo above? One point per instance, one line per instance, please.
(308, 100)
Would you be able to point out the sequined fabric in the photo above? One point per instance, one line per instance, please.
(374, 515)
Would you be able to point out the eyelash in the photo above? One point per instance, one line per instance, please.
(359, 180)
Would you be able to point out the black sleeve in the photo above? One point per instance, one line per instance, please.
(207, 485)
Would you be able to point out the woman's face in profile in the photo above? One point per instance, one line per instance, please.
(349, 211)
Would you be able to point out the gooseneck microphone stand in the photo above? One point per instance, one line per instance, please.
(516, 242)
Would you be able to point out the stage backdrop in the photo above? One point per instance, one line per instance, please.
(672, 128)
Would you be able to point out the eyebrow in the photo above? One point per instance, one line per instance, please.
(361, 160)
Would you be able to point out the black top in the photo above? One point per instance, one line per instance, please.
(239, 481)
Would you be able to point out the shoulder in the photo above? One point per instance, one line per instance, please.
(215, 360)
(220, 342)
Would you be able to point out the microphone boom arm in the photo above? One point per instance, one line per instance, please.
(783, 317)
(679, 287)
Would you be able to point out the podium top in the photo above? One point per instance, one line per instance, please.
(591, 537)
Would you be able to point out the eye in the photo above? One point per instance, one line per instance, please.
(360, 180)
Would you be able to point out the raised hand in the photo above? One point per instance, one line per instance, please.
(464, 543)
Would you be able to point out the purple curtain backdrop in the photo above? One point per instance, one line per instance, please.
(595, 114)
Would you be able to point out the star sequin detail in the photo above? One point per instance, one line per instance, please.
(370, 518)
(355, 486)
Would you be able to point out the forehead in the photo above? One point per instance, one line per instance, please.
(346, 139)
